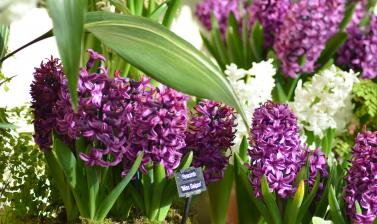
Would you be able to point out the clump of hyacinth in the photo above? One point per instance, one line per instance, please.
(359, 51)
(45, 90)
(220, 9)
(307, 26)
(275, 149)
(158, 127)
(325, 101)
(361, 180)
(117, 116)
(271, 15)
(209, 136)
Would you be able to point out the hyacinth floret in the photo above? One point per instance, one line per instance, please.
(275, 149)
(158, 127)
(361, 185)
(45, 89)
(307, 26)
(210, 135)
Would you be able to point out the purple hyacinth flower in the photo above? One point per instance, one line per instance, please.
(317, 165)
(275, 149)
(307, 26)
(45, 90)
(359, 51)
(158, 128)
(93, 57)
(271, 15)
(209, 136)
(221, 10)
(362, 179)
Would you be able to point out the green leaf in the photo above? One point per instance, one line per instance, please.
(293, 206)
(110, 199)
(248, 213)
(347, 16)
(218, 43)
(156, 51)
(219, 194)
(308, 200)
(62, 186)
(332, 46)
(68, 19)
(159, 181)
(7, 126)
(270, 201)
(259, 204)
(170, 13)
(243, 148)
(4, 35)
(257, 41)
(318, 220)
(170, 191)
(336, 213)
(156, 14)
(76, 182)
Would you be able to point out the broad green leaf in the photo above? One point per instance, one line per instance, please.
(76, 182)
(293, 206)
(243, 148)
(336, 213)
(270, 201)
(110, 199)
(332, 46)
(234, 40)
(68, 19)
(163, 55)
(156, 14)
(159, 182)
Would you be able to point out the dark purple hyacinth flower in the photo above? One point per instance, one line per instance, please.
(45, 93)
(362, 179)
(210, 135)
(158, 128)
(307, 26)
(360, 50)
(221, 10)
(271, 15)
(275, 149)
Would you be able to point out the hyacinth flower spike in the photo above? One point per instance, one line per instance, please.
(284, 177)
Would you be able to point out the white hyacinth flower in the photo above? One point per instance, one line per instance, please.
(11, 10)
(253, 87)
(325, 101)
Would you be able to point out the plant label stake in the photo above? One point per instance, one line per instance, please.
(189, 182)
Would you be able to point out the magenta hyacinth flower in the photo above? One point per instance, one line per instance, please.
(359, 51)
(317, 165)
(158, 128)
(275, 149)
(221, 10)
(307, 26)
(210, 135)
(271, 15)
(362, 179)
(45, 90)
